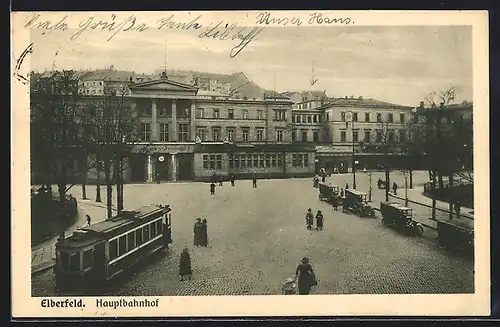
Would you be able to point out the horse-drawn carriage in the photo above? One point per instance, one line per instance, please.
(355, 201)
(400, 218)
(329, 193)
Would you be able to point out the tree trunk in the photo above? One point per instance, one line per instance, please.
(109, 187)
(62, 183)
(387, 183)
(411, 179)
(118, 184)
(84, 176)
(441, 183)
(98, 172)
(433, 189)
(450, 179)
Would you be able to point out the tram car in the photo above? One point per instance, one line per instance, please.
(97, 253)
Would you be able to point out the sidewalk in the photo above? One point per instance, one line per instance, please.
(43, 255)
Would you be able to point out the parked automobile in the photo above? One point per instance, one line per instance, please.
(400, 218)
(355, 201)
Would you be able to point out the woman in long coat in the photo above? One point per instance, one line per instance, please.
(319, 220)
(304, 274)
(204, 233)
(198, 232)
(185, 265)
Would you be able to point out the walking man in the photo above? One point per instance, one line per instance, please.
(309, 219)
(395, 188)
(254, 182)
(212, 188)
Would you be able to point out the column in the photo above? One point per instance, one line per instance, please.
(173, 164)
(154, 134)
(173, 134)
(192, 127)
(150, 169)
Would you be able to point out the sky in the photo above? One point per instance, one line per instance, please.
(398, 64)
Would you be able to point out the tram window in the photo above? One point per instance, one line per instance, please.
(138, 236)
(146, 233)
(74, 261)
(64, 257)
(153, 229)
(122, 244)
(159, 227)
(131, 240)
(87, 259)
(113, 249)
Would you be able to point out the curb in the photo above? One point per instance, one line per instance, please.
(42, 267)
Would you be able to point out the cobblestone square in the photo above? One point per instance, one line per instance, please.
(257, 236)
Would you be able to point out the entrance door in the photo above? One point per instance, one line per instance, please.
(161, 167)
(185, 166)
(137, 168)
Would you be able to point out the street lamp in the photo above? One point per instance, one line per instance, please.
(349, 116)
(406, 188)
(370, 188)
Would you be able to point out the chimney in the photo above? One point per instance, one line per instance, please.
(346, 96)
(441, 105)
(421, 104)
(352, 96)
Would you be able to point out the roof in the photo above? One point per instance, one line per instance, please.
(466, 105)
(363, 103)
(116, 76)
(355, 192)
(211, 94)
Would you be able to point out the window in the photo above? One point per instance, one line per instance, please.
(319, 118)
(211, 162)
(315, 136)
(303, 117)
(243, 161)
(279, 115)
(367, 116)
(183, 132)
(215, 133)
(230, 134)
(113, 249)
(379, 135)
(130, 241)
(355, 136)
(304, 135)
(205, 161)
(146, 236)
(218, 162)
(236, 161)
(138, 236)
(390, 136)
(249, 161)
(216, 114)
(280, 160)
(315, 119)
(245, 134)
(268, 160)
(159, 227)
(297, 119)
(145, 132)
(327, 118)
(230, 161)
(259, 114)
(342, 116)
(87, 259)
(306, 159)
(153, 229)
(74, 261)
(273, 160)
(343, 136)
(230, 113)
(261, 161)
(354, 116)
(245, 114)
(402, 136)
(255, 160)
(293, 118)
(309, 119)
(260, 134)
(379, 117)
(367, 136)
(201, 133)
(294, 135)
(164, 132)
(390, 117)
(200, 113)
(279, 135)
(122, 245)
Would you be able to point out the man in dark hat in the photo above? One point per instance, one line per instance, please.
(198, 232)
(212, 188)
(309, 219)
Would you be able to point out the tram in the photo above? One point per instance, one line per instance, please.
(97, 253)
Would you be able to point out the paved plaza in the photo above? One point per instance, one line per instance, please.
(258, 236)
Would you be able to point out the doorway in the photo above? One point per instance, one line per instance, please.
(185, 166)
(137, 168)
(161, 167)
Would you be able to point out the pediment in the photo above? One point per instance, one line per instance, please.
(163, 85)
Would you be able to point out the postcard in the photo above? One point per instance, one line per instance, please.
(259, 163)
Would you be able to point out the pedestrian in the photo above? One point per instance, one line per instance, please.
(214, 177)
(341, 192)
(319, 220)
(254, 182)
(379, 183)
(309, 219)
(232, 180)
(157, 178)
(221, 180)
(395, 188)
(304, 274)
(204, 233)
(198, 233)
(88, 220)
(346, 186)
(212, 188)
(185, 265)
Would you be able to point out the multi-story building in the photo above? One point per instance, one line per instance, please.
(186, 134)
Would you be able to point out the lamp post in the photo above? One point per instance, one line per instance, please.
(370, 189)
(406, 188)
(350, 117)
